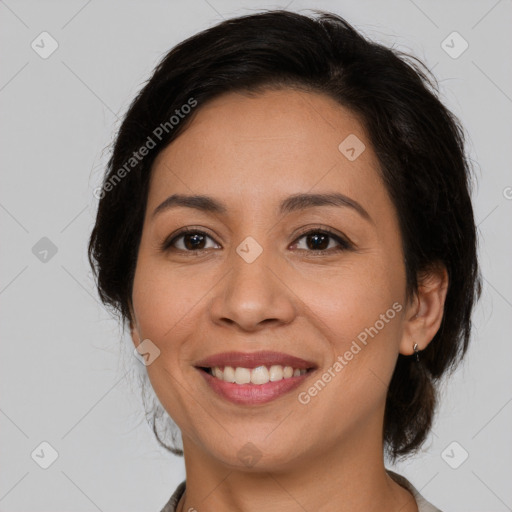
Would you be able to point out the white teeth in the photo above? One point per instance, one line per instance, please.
(259, 375)
(228, 375)
(242, 375)
(287, 372)
(275, 372)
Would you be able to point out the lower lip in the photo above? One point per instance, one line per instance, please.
(251, 394)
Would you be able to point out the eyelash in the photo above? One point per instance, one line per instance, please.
(344, 245)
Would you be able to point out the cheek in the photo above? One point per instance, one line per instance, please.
(164, 304)
(360, 314)
(353, 297)
(164, 300)
(360, 308)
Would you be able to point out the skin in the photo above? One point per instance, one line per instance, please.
(251, 152)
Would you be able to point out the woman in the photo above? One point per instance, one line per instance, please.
(286, 227)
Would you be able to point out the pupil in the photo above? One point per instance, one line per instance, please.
(319, 241)
(315, 237)
(198, 240)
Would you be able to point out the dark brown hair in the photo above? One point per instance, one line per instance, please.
(419, 144)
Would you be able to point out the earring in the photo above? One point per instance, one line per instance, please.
(416, 351)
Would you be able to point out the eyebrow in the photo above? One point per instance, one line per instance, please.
(293, 203)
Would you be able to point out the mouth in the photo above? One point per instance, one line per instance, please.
(254, 378)
(257, 376)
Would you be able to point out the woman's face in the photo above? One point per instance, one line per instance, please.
(257, 281)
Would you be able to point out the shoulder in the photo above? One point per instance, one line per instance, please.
(170, 506)
(423, 504)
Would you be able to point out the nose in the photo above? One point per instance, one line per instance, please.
(253, 295)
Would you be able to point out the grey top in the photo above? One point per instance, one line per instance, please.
(423, 504)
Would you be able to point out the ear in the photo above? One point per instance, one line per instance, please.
(424, 313)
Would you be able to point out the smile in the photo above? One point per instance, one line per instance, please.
(254, 378)
(259, 375)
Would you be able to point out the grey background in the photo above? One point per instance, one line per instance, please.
(64, 378)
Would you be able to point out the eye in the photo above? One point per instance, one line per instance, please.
(316, 240)
(188, 240)
(319, 240)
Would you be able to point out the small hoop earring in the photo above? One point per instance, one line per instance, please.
(417, 352)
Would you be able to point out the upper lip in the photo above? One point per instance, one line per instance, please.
(254, 359)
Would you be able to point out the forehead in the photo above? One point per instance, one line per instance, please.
(258, 148)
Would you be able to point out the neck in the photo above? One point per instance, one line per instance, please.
(348, 477)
